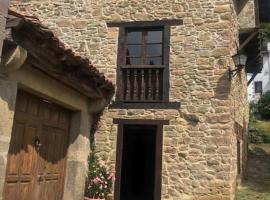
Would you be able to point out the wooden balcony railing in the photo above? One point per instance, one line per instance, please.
(142, 84)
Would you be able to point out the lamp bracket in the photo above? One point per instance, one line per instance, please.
(233, 72)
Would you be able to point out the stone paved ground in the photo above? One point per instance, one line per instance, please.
(256, 185)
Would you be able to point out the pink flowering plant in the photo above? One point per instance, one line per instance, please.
(99, 179)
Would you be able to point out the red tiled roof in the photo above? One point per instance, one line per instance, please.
(80, 67)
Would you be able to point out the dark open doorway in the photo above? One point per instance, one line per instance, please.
(138, 162)
(139, 159)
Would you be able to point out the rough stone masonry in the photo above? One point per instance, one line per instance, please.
(3, 14)
(4, 124)
(199, 152)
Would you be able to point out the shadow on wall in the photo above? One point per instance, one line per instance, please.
(192, 119)
(47, 128)
(12, 58)
(8, 91)
(240, 4)
(223, 88)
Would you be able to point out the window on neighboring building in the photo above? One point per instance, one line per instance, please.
(258, 87)
(143, 65)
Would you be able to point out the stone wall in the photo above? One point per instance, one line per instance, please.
(199, 153)
(238, 111)
(3, 13)
(248, 14)
(239, 115)
(8, 92)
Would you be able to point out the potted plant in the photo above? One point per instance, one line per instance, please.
(99, 179)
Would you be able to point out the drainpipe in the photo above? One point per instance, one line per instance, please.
(4, 4)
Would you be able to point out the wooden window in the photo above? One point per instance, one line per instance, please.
(144, 47)
(143, 64)
(258, 87)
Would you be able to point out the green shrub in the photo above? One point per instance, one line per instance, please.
(252, 110)
(256, 137)
(264, 105)
(266, 138)
(259, 132)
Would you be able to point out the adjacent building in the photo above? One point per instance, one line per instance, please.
(177, 126)
(261, 83)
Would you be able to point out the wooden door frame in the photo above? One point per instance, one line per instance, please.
(158, 152)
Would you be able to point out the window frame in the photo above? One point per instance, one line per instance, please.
(121, 57)
(143, 56)
(256, 87)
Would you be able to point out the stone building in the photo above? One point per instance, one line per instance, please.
(3, 14)
(176, 128)
(49, 100)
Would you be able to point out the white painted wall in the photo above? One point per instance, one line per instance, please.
(264, 76)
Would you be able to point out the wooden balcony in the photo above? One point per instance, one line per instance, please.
(142, 84)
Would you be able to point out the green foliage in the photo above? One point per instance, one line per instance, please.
(266, 138)
(264, 105)
(259, 132)
(99, 179)
(265, 34)
(255, 137)
(252, 110)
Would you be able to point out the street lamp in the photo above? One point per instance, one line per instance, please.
(240, 60)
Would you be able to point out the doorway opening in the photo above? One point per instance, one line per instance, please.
(138, 168)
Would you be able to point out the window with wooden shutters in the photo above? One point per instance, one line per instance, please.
(143, 65)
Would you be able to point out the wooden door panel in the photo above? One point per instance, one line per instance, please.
(13, 165)
(25, 191)
(54, 115)
(21, 104)
(11, 191)
(15, 190)
(49, 191)
(33, 107)
(19, 178)
(28, 151)
(64, 119)
(51, 166)
(35, 170)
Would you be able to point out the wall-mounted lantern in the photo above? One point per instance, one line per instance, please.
(240, 60)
